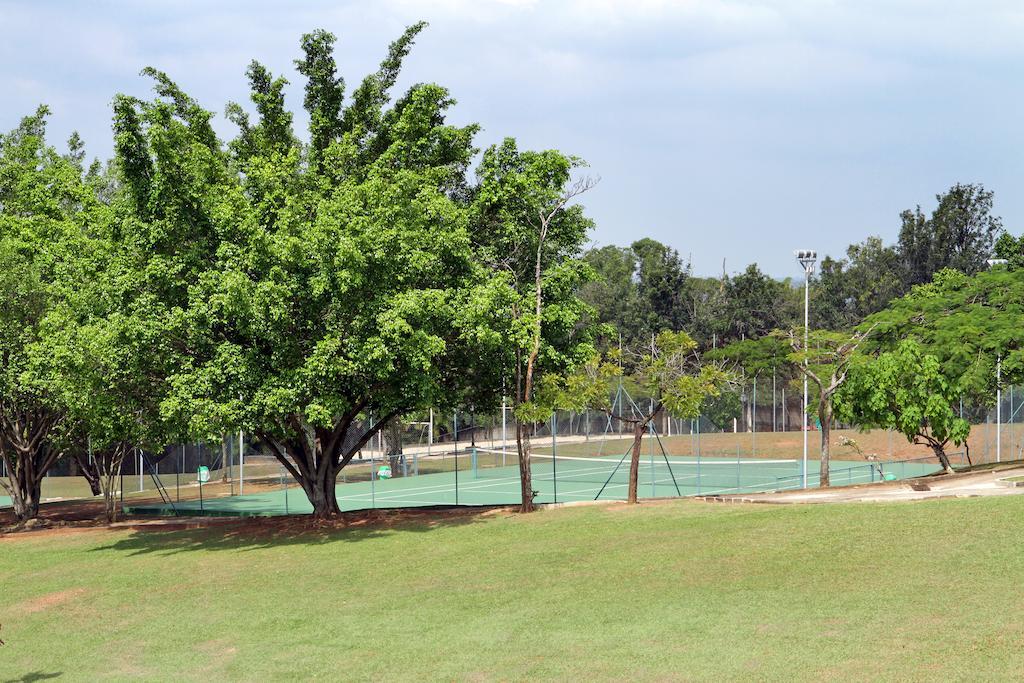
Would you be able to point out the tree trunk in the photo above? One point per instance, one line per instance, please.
(634, 462)
(324, 497)
(825, 418)
(107, 483)
(393, 444)
(109, 465)
(525, 474)
(322, 494)
(89, 472)
(25, 502)
(940, 453)
(25, 475)
(314, 456)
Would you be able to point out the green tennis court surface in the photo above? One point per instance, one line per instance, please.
(492, 478)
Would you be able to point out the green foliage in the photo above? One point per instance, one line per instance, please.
(669, 370)
(46, 209)
(904, 389)
(757, 357)
(757, 304)
(613, 293)
(310, 293)
(959, 234)
(852, 288)
(514, 190)
(967, 322)
(1012, 249)
(661, 284)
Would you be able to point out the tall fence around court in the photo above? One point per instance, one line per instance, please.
(466, 458)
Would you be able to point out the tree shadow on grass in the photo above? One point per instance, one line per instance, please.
(258, 533)
(34, 676)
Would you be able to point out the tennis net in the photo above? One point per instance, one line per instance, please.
(661, 474)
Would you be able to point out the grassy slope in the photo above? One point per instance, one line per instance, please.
(678, 590)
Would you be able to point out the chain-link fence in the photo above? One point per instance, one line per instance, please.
(463, 457)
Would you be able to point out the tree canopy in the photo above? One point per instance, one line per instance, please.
(904, 389)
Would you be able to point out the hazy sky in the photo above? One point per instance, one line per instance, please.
(726, 128)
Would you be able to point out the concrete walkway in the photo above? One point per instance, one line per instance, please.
(961, 485)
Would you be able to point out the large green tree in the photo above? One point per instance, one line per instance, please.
(612, 294)
(756, 304)
(825, 359)
(530, 231)
(662, 286)
(107, 355)
(45, 208)
(343, 289)
(906, 390)
(968, 322)
(862, 283)
(960, 234)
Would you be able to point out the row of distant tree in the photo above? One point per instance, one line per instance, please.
(647, 285)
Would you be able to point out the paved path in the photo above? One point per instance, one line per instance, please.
(985, 483)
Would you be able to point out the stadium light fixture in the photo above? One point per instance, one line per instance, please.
(806, 258)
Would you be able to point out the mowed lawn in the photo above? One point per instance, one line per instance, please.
(662, 591)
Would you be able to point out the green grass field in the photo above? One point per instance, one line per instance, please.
(666, 591)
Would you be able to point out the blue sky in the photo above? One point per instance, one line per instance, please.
(729, 129)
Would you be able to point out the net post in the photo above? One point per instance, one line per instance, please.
(241, 462)
(554, 455)
(285, 490)
(617, 466)
(664, 454)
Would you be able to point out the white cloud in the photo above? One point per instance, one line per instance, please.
(709, 115)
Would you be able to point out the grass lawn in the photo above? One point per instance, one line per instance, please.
(674, 590)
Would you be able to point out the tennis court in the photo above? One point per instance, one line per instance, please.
(481, 477)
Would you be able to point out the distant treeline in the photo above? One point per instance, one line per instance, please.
(648, 286)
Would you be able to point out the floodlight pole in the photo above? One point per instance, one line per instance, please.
(999, 408)
(807, 259)
(997, 263)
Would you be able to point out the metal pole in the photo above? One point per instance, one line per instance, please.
(775, 405)
(651, 432)
(753, 421)
(554, 455)
(241, 461)
(138, 461)
(455, 432)
(430, 432)
(698, 455)
(177, 481)
(504, 432)
(999, 408)
(803, 417)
